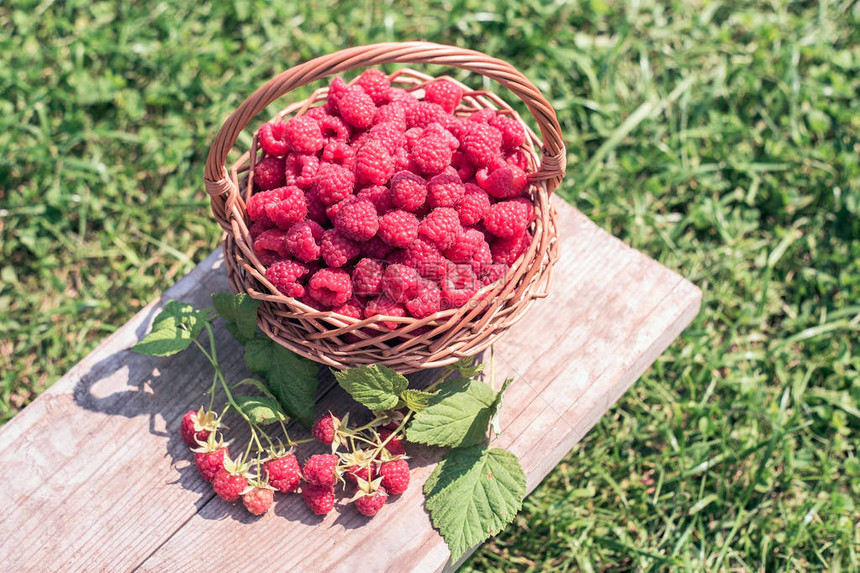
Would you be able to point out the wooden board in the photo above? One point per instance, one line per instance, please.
(95, 476)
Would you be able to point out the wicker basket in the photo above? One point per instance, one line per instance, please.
(437, 340)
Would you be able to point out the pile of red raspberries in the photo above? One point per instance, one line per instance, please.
(378, 203)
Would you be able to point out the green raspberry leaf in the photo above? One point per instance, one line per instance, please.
(173, 330)
(260, 410)
(416, 400)
(377, 387)
(468, 367)
(497, 405)
(457, 415)
(472, 494)
(290, 378)
(240, 312)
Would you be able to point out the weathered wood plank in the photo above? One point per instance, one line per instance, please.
(102, 481)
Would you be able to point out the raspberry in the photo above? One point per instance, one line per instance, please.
(290, 209)
(353, 307)
(400, 282)
(258, 228)
(303, 134)
(376, 248)
(337, 250)
(474, 205)
(285, 275)
(458, 126)
(332, 287)
(395, 476)
(398, 228)
(196, 426)
(271, 247)
(483, 116)
(273, 138)
(370, 504)
(424, 113)
(367, 278)
(269, 173)
(481, 259)
(301, 170)
(284, 473)
(426, 302)
(303, 241)
(395, 445)
(321, 470)
(506, 183)
(458, 286)
(259, 500)
(320, 499)
(375, 84)
(324, 428)
(391, 113)
(445, 190)
(316, 208)
(334, 129)
(423, 256)
(409, 189)
(332, 210)
(356, 219)
(373, 163)
(339, 153)
(481, 144)
(412, 135)
(209, 462)
(401, 96)
(381, 197)
(431, 154)
(518, 158)
(508, 250)
(336, 90)
(366, 471)
(356, 108)
(513, 134)
(387, 307)
(444, 93)
(334, 183)
(507, 219)
(389, 134)
(436, 129)
(493, 273)
(442, 226)
(401, 159)
(465, 170)
(229, 485)
(467, 243)
(318, 113)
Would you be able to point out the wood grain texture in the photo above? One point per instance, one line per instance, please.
(96, 478)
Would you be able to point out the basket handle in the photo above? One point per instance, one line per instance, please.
(222, 190)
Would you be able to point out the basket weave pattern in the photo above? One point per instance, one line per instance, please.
(442, 338)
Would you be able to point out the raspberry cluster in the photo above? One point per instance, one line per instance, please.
(380, 203)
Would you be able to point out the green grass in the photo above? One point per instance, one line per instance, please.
(722, 139)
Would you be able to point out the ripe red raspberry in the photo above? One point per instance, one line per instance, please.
(423, 256)
(458, 126)
(370, 504)
(269, 173)
(389, 134)
(409, 189)
(395, 444)
(273, 138)
(320, 499)
(334, 129)
(518, 158)
(197, 425)
(318, 113)
(391, 113)
(356, 108)
(483, 116)
(258, 228)
(353, 307)
(507, 251)
(337, 250)
(401, 160)
(400, 282)
(386, 307)
(444, 93)
(458, 286)
(336, 90)
(481, 144)
(334, 183)
(324, 428)
(367, 278)
(303, 241)
(321, 470)
(376, 248)
(445, 190)
(210, 461)
(474, 205)
(468, 242)
(286, 276)
(513, 133)
(442, 226)
(373, 163)
(284, 473)
(229, 485)
(381, 197)
(332, 210)
(332, 287)
(366, 472)
(395, 476)
(339, 153)
(431, 154)
(481, 258)
(398, 228)
(412, 135)
(508, 219)
(426, 301)
(316, 208)
(506, 182)
(493, 273)
(259, 500)
(424, 113)
(436, 129)
(356, 219)
(375, 84)
(401, 96)
(289, 210)
(303, 134)
(301, 170)
(271, 246)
